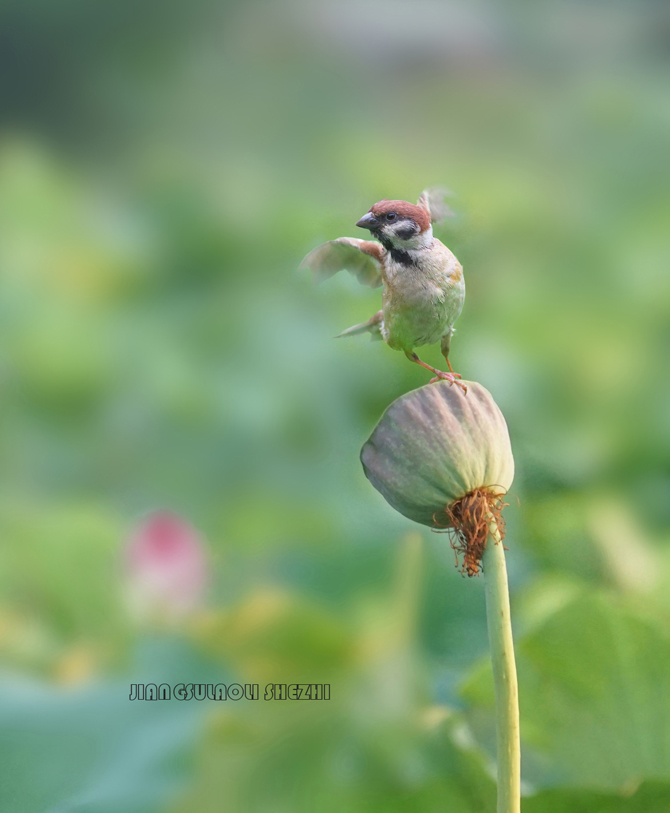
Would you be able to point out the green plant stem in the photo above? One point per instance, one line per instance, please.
(499, 623)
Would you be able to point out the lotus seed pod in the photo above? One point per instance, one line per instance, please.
(444, 459)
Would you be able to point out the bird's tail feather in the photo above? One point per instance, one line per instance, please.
(372, 326)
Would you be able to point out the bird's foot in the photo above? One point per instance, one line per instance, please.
(452, 378)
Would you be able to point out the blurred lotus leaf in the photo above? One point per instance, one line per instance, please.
(595, 683)
(273, 635)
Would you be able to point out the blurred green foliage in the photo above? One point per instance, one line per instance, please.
(163, 169)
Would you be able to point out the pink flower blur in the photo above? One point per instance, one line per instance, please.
(166, 566)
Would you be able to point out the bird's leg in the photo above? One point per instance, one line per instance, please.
(439, 374)
(451, 369)
(445, 346)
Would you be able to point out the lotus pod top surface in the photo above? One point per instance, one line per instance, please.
(434, 445)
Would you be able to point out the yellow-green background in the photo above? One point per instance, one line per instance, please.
(164, 166)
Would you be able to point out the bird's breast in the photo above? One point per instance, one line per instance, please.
(421, 301)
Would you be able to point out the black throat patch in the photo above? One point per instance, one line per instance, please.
(402, 257)
(398, 255)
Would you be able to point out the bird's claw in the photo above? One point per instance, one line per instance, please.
(452, 378)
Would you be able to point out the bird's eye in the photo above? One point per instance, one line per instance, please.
(391, 216)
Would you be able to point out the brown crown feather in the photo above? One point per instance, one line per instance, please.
(418, 214)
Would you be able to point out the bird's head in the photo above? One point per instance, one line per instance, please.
(399, 225)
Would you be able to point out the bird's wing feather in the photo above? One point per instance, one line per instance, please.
(360, 257)
(373, 326)
(433, 200)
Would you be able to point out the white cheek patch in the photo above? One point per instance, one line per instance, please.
(417, 241)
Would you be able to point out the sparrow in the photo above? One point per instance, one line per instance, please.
(423, 287)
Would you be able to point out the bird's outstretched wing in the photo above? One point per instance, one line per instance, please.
(433, 199)
(360, 257)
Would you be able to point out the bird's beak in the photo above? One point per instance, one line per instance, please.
(368, 221)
